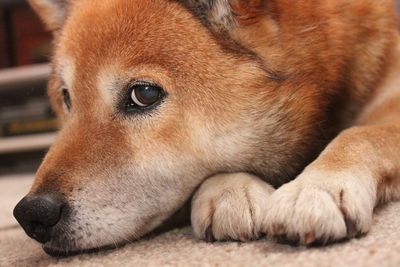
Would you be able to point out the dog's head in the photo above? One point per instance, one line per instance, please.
(154, 97)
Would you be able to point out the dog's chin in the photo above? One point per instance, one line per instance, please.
(67, 251)
(63, 244)
(64, 250)
(59, 253)
(61, 247)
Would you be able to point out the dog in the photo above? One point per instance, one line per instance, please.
(271, 117)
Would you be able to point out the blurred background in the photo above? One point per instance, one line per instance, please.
(27, 124)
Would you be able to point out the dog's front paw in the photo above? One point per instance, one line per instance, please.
(230, 207)
(319, 208)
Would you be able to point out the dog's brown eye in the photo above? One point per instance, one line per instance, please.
(145, 94)
(67, 99)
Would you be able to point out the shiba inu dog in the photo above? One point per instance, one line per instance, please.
(273, 117)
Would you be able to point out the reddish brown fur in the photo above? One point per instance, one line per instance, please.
(286, 77)
(307, 36)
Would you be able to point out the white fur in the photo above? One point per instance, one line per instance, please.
(232, 205)
(313, 207)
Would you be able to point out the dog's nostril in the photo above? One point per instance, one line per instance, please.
(37, 214)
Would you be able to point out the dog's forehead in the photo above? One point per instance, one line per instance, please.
(128, 32)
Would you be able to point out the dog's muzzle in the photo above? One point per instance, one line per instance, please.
(37, 214)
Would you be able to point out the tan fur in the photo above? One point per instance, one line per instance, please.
(254, 86)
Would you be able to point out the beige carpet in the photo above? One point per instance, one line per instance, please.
(381, 247)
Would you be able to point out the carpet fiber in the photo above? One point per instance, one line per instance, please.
(380, 247)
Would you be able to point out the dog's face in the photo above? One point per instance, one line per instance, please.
(151, 104)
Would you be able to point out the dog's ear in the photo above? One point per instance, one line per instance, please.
(52, 12)
(223, 15)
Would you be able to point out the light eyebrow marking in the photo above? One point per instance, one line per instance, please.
(108, 83)
(67, 72)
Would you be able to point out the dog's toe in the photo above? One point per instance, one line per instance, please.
(230, 207)
(312, 213)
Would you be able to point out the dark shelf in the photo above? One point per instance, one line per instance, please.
(11, 2)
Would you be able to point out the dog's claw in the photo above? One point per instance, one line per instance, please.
(244, 237)
(309, 238)
(278, 229)
(351, 227)
(209, 234)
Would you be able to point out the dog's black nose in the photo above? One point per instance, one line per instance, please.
(37, 214)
